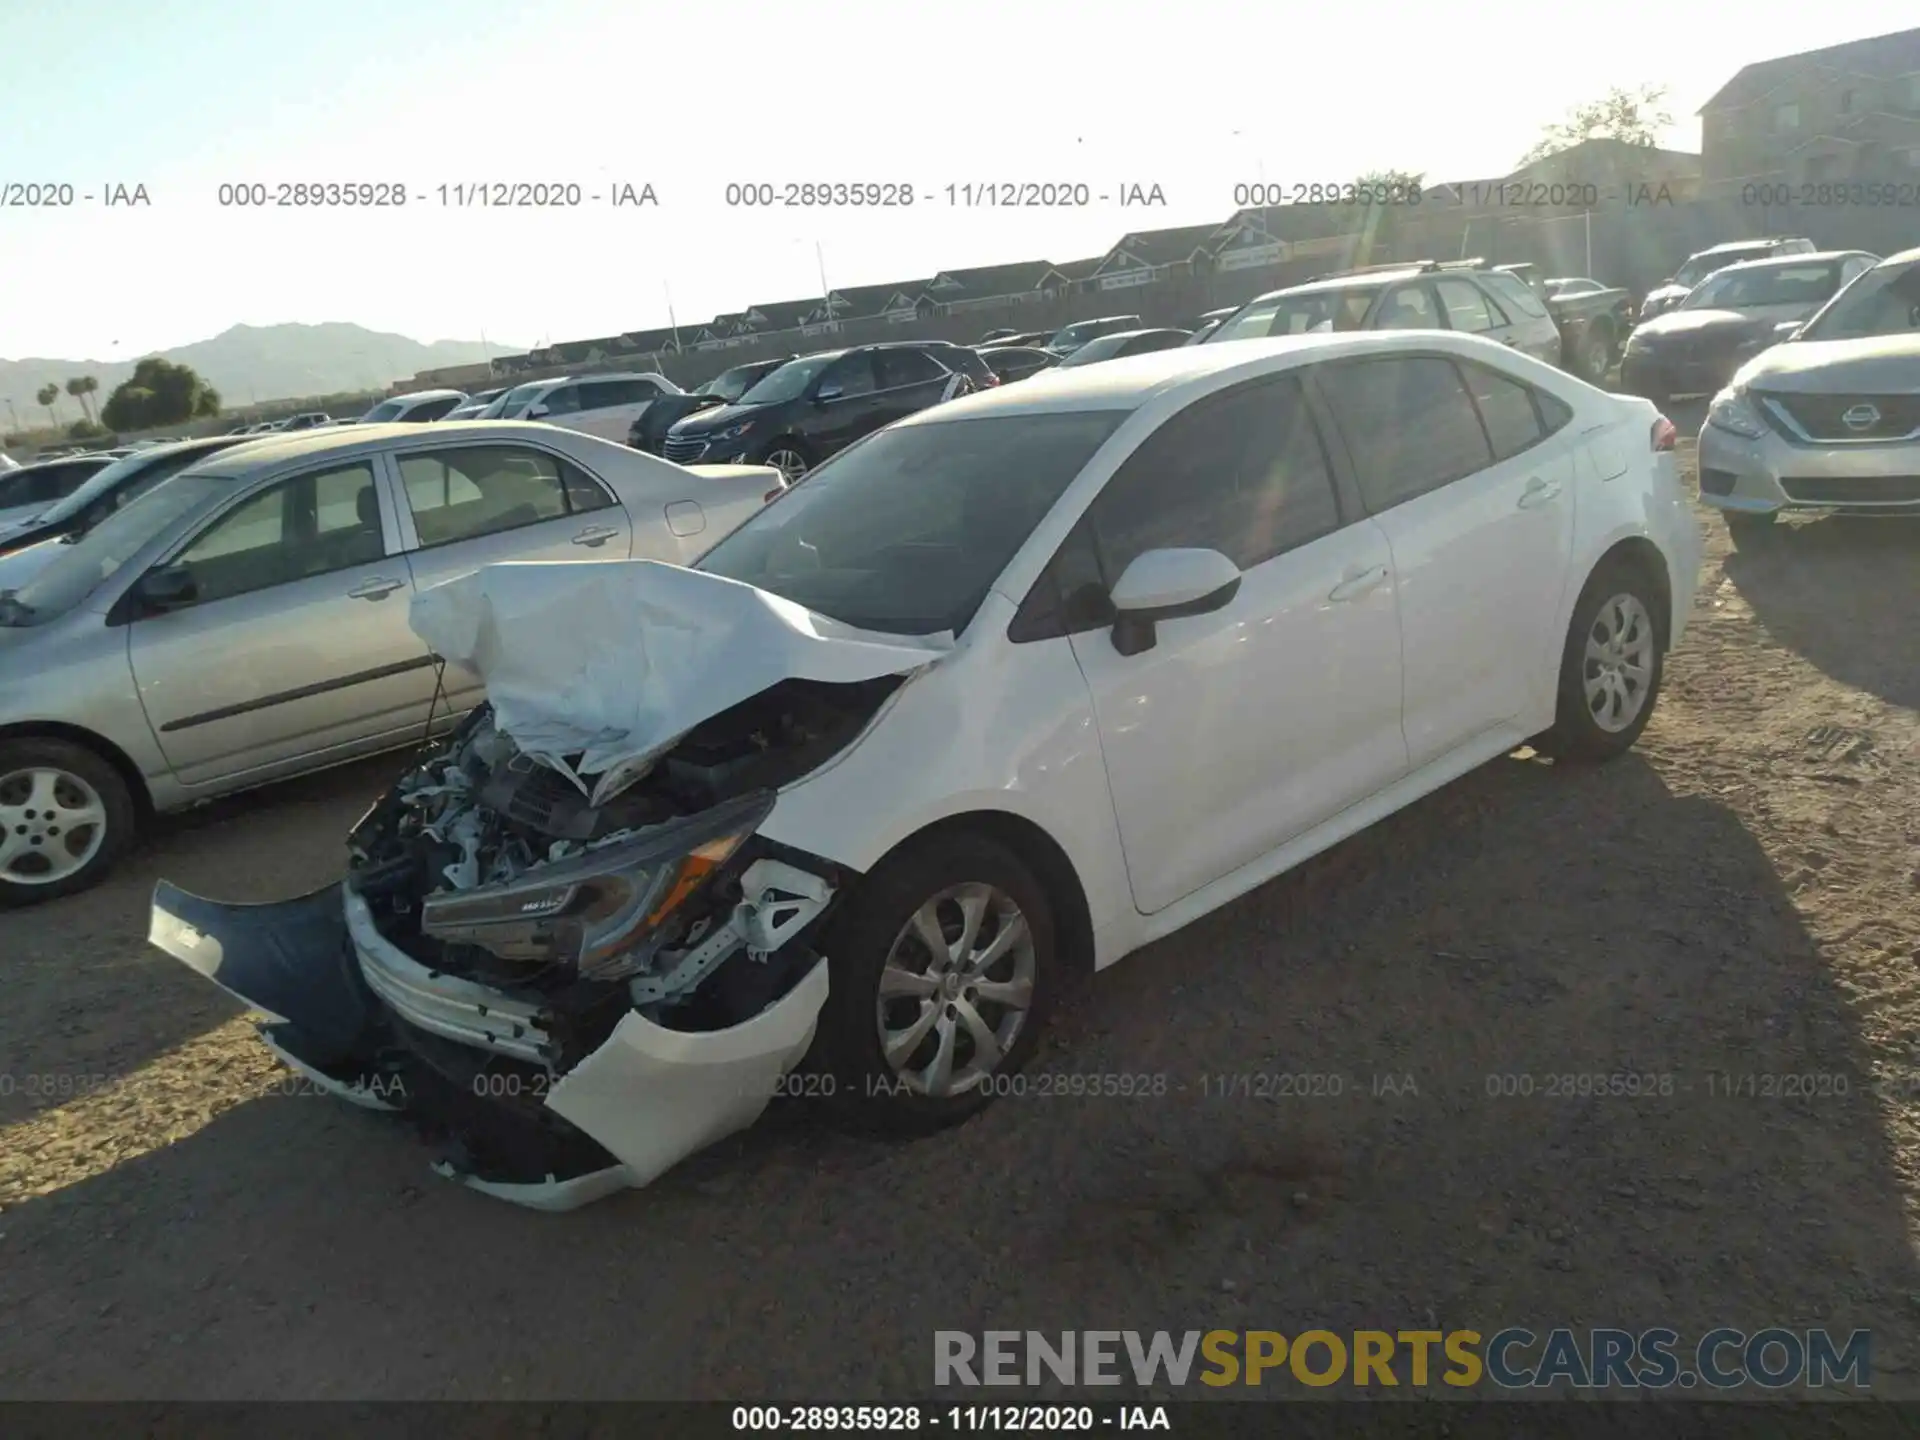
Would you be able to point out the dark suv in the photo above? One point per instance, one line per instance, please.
(649, 429)
(816, 406)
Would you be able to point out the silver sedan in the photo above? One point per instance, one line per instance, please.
(247, 619)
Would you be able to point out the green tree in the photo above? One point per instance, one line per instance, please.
(80, 387)
(159, 392)
(86, 430)
(45, 396)
(1635, 116)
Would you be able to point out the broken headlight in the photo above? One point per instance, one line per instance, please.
(603, 912)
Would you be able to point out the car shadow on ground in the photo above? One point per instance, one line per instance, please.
(1844, 593)
(69, 962)
(1456, 1073)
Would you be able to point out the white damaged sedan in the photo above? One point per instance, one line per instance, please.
(1004, 692)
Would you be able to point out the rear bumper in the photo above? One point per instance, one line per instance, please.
(475, 1068)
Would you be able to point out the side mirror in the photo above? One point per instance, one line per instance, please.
(535, 412)
(168, 588)
(1168, 585)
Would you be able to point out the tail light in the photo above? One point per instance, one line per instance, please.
(773, 494)
(1665, 437)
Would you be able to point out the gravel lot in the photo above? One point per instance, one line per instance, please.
(1738, 895)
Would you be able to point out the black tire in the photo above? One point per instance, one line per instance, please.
(1594, 362)
(866, 1092)
(1577, 735)
(87, 766)
(1746, 530)
(798, 447)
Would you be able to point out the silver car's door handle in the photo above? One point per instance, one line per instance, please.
(1356, 585)
(377, 588)
(595, 535)
(1538, 492)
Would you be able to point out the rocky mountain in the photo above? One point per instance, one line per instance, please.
(252, 363)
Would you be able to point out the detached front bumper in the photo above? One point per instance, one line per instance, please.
(1769, 474)
(478, 1068)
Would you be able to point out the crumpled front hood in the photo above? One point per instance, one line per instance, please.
(1873, 365)
(616, 660)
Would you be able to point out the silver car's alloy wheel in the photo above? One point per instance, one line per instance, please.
(790, 463)
(1617, 669)
(955, 990)
(52, 823)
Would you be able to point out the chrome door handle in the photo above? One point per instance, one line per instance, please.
(1354, 586)
(1538, 492)
(377, 588)
(595, 535)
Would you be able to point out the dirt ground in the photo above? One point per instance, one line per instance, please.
(1738, 896)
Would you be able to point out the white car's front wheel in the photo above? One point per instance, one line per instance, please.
(1611, 667)
(943, 967)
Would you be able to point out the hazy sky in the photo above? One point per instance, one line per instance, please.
(1193, 97)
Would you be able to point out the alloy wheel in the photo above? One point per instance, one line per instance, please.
(790, 463)
(955, 990)
(52, 824)
(1617, 669)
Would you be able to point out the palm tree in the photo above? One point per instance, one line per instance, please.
(79, 387)
(46, 395)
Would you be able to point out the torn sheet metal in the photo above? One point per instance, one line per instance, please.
(616, 660)
(653, 1096)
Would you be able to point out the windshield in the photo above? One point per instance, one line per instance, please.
(1883, 301)
(509, 405)
(1101, 347)
(1299, 314)
(730, 385)
(1776, 285)
(387, 410)
(905, 532)
(1701, 266)
(96, 556)
(789, 382)
(131, 478)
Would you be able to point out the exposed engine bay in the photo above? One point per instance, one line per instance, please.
(487, 864)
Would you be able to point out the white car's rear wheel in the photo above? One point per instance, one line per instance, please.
(943, 968)
(1611, 667)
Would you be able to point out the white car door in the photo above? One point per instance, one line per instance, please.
(1240, 729)
(464, 506)
(1470, 475)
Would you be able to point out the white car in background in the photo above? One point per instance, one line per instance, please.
(416, 409)
(603, 405)
(1010, 688)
